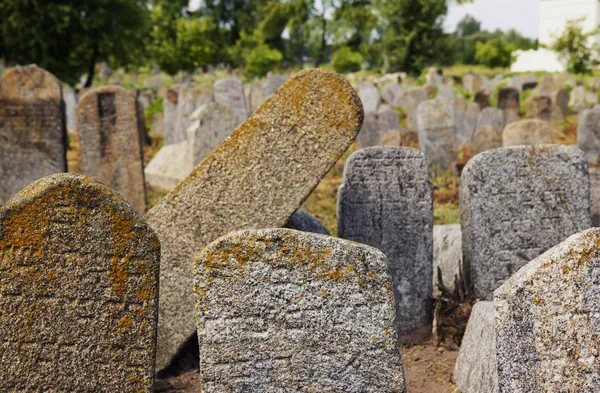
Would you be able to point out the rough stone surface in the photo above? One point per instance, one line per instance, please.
(273, 83)
(466, 129)
(547, 321)
(255, 95)
(492, 117)
(79, 293)
(280, 310)
(437, 133)
(517, 202)
(595, 195)
(369, 96)
(447, 254)
(230, 92)
(527, 132)
(170, 116)
(476, 368)
(305, 222)
(377, 124)
(211, 124)
(385, 201)
(508, 101)
(485, 138)
(111, 141)
(256, 178)
(32, 128)
(168, 167)
(588, 134)
(188, 101)
(560, 98)
(410, 103)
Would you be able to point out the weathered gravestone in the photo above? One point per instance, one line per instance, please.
(210, 125)
(547, 321)
(169, 166)
(280, 310)
(588, 134)
(446, 92)
(111, 141)
(170, 101)
(517, 83)
(230, 92)
(595, 195)
(369, 96)
(256, 178)
(517, 202)
(188, 101)
(70, 99)
(79, 293)
(303, 221)
(385, 201)
(578, 99)
(273, 83)
(410, 102)
(392, 94)
(255, 95)
(541, 107)
(437, 133)
(158, 125)
(32, 128)
(527, 132)
(560, 99)
(508, 101)
(377, 124)
(483, 99)
(492, 117)
(468, 126)
(485, 138)
(447, 255)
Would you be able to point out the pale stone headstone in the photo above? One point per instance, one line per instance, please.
(111, 141)
(472, 83)
(476, 368)
(273, 83)
(169, 166)
(434, 77)
(588, 134)
(485, 138)
(303, 221)
(79, 290)
(158, 125)
(170, 116)
(410, 102)
(210, 125)
(527, 132)
(255, 95)
(392, 94)
(517, 83)
(376, 125)
(515, 203)
(560, 98)
(369, 96)
(546, 85)
(492, 117)
(292, 311)
(385, 201)
(595, 195)
(188, 101)
(547, 321)
(446, 92)
(230, 92)
(578, 99)
(256, 178)
(70, 99)
(466, 129)
(540, 107)
(32, 128)
(437, 133)
(508, 101)
(447, 255)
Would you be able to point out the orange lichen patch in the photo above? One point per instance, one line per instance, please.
(119, 273)
(126, 322)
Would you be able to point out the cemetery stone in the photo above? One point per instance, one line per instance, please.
(377, 124)
(170, 101)
(595, 195)
(273, 83)
(189, 100)
(70, 99)
(560, 98)
(369, 96)
(169, 166)
(437, 133)
(230, 92)
(540, 107)
(508, 101)
(588, 134)
(466, 129)
(483, 99)
(303, 221)
(492, 117)
(527, 132)
(485, 138)
(447, 254)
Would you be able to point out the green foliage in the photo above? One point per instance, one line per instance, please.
(346, 60)
(155, 107)
(494, 53)
(261, 60)
(574, 46)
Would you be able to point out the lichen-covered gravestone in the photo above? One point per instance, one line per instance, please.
(385, 201)
(256, 178)
(111, 141)
(527, 132)
(547, 321)
(79, 293)
(588, 134)
(517, 202)
(437, 132)
(280, 310)
(230, 92)
(32, 128)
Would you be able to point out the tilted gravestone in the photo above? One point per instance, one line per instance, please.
(210, 125)
(517, 202)
(79, 290)
(437, 132)
(32, 128)
(588, 134)
(170, 101)
(230, 92)
(385, 201)
(282, 310)
(527, 132)
(111, 141)
(377, 124)
(508, 101)
(547, 322)
(256, 178)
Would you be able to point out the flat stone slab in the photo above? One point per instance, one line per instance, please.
(517, 202)
(281, 310)
(79, 294)
(168, 167)
(256, 178)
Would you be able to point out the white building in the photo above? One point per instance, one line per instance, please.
(554, 14)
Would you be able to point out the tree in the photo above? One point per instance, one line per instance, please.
(68, 37)
(346, 60)
(494, 53)
(467, 26)
(574, 46)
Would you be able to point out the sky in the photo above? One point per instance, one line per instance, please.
(521, 15)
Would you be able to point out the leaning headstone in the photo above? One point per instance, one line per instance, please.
(303, 221)
(492, 117)
(79, 290)
(447, 255)
(527, 132)
(170, 116)
(508, 101)
(376, 125)
(588, 134)
(330, 320)
(595, 195)
(247, 182)
(476, 368)
(111, 141)
(547, 323)
(70, 99)
(32, 128)
(385, 201)
(210, 125)
(466, 129)
(485, 138)
(230, 92)
(510, 216)
(369, 96)
(437, 133)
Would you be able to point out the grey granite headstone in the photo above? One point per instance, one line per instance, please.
(32, 128)
(385, 201)
(595, 195)
(303, 221)
(527, 132)
(447, 255)
(446, 92)
(508, 101)
(170, 117)
(437, 133)
(256, 178)
(466, 129)
(485, 138)
(492, 117)
(547, 321)
(230, 92)
(369, 96)
(280, 310)
(111, 141)
(188, 101)
(273, 83)
(377, 124)
(517, 202)
(588, 134)
(409, 102)
(79, 293)
(392, 94)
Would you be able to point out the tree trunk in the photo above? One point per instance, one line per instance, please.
(321, 54)
(92, 66)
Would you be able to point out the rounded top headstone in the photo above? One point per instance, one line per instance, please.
(29, 83)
